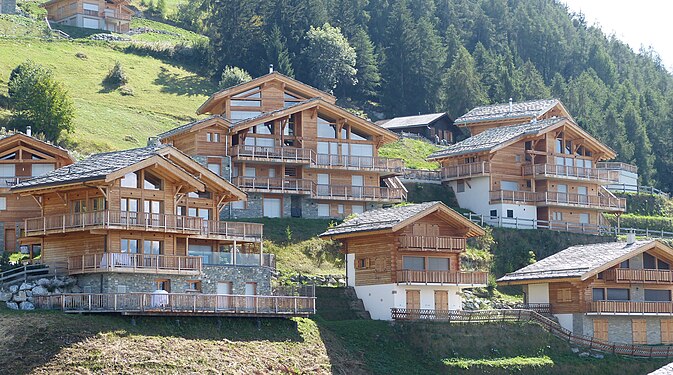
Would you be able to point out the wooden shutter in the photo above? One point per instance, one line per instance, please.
(10, 240)
(564, 295)
(418, 230)
(601, 329)
(667, 331)
(639, 329)
(413, 299)
(441, 299)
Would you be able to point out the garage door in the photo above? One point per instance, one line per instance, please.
(272, 207)
(90, 23)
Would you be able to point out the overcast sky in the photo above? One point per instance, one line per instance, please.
(636, 22)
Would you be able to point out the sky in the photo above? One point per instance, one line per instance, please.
(636, 22)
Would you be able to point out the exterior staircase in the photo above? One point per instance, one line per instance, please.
(340, 303)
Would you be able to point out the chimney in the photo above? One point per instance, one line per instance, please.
(510, 104)
(630, 238)
(270, 68)
(29, 131)
(153, 141)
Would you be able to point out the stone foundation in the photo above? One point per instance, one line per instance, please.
(620, 327)
(309, 208)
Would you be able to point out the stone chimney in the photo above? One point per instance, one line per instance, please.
(510, 104)
(270, 68)
(29, 131)
(153, 141)
(630, 238)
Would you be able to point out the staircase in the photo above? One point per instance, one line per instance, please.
(339, 303)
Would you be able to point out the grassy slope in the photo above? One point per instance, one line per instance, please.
(55, 343)
(412, 151)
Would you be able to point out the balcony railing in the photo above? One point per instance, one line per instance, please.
(454, 172)
(617, 166)
(108, 13)
(443, 277)
(630, 307)
(422, 174)
(9, 181)
(134, 263)
(513, 196)
(358, 162)
(556, 198)
(180, 304)
(359, 193)
(426, 243)
(281, 154)
(283, 185)
(628, 275)
(566, 172)
(142, 221)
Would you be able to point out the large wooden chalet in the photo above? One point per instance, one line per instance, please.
(292, 149)
(530, 168)
(617, 292)
(405, 260)
(111, 15)
(434, 127)
(23, 157)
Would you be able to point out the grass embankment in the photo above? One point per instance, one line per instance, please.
(412, 151)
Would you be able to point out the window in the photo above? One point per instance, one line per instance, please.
(152, 207)
(362, 263)
(323, 209)
(662, 265)
(213, 137)
(557, 216)
(615, 294)
(246, 103)
(584, 218)
(494, 213)
(528, 145)
(438, 264)
(3, 203)
(266, 128)
(250, 172)
(471, 159)
(413, 263)
(152, 247)
(362, 150)
(359, 136)
(242, 115)
(326, 129)
(598, 294)
(510, 213)
(152, 182)
(509, 185)
(340, 209)
(238, 205)
(129, 205)
(129, 246)
(357, 209)
(78, 206)
(194, 286)
(460, 186)
(40, 169)
(163, 284)
(564, 295)
(215, 168)
(290, 172)
(624, 264)
(130, 180)
(98, 204)
(657, 295)
(199, 194)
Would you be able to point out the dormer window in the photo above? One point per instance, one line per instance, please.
(152, 182)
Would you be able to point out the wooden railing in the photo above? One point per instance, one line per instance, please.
(278, 184)
(9, 181)
(443, 277)
(630, 307)
(617, 166)
(358, 162)
(180, 304)
(23, 273)
(107, 13)
(519, 315)
(513, 196)
(627, 275)
(562, 171)
(466, 170)
(140, 220)
(427, 243)
(284, 154)
(422, 175)
(605, 202)
(359, 192)
(134, 263)
(542, 308)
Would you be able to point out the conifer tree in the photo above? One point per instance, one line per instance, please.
(278, 54)
(368, 76)
(463, 87)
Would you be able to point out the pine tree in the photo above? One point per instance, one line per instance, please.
(532, 83)
(368, 76)
(277, 53)
(428, 68)
(463, 86)
(641, 142)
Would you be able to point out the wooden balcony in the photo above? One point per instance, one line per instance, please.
(9, 181)
(426, 243)
(357, 163)
(180, 304)
(287, 155)
(134, 263)
(562, 172)
(443, 277)
(617, 166)
(628, 275)
(456, 172)
(274, 185)
(359, 193)
(116, 15)
(513, 196)
(124, 220)
(630, 308)
(606, 203)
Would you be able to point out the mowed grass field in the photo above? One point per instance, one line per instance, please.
(165, 95)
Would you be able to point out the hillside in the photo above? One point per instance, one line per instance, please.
(52, 342)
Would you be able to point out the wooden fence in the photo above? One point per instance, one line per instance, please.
(520, 315)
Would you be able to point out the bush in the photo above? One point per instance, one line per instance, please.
(116, 77)
(653, 223)
(232, 76)
(648, 205)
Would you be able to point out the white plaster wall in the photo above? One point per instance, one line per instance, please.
(378, 299)
(428, 296)
(565, 320)
(538, 293)
(475, 196)
(524, 215)
(350, 269)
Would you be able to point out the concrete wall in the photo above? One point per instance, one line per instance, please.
(350, 269)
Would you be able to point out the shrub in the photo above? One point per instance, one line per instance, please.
(116, 77)
(232, 76)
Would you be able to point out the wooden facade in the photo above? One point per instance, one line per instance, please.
(288, 141)
(23, 157)
(111, 15)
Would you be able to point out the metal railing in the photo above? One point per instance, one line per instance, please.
(627, 275)
(617, 166)
(558, 198)
(466, 170)
(630, 307)
(637, 189)
(9, 181)
(283, 154)
(179, 304)
(513, 196)
(562, 171)
(109, 13)
(443, 277)
(422, 175)
(278, 184)
(358, 162)
(348, 192)
(23, 273)
(428, 243)
(134, 263)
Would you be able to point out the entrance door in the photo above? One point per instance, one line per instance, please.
(295, 206)
(250, 290)
(272, 207)
(10, 240)
(413, 299)
(601, 329)
(441, 300)
(667, 331)
(639, 327)
(582, 193)
(224, 301)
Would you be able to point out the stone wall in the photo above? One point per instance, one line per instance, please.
(620, 327)
(255, 208)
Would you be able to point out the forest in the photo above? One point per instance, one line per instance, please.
(401, 57)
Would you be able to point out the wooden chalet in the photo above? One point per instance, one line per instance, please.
(408, 258)
(292, 150)
(434, 127)
(541, 173)
(617, 292)
(110, 15)
(23, 157)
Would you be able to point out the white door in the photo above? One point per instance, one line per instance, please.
(357, 182)
(272, 207)
(250, 290)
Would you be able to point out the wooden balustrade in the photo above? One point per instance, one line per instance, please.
(459, 171)
(617, 166)
(628, 275)
(180, 304)
(426, 243)
(281, 154)
(558, 198)
(513, 196)
(134, 263)
(358, 193)
(630, 307)
(284, 185)
(443, 277)
(358, 162)
(563, 171)
(233, 229)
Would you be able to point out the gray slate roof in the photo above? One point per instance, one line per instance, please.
(490, 138)
(384, 218)
(529, 109)
(574, 261)
(187, 127)
(13, 133)
(410, 121)
(94, 167)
